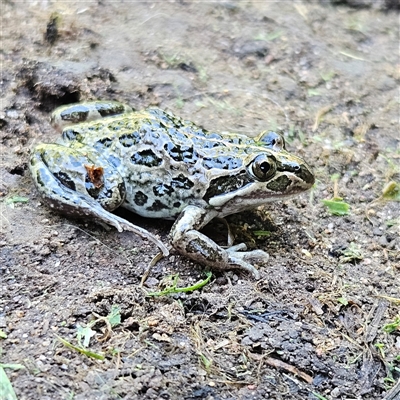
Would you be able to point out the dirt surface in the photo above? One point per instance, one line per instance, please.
(315, 326)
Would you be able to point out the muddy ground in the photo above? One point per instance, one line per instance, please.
(316, 325)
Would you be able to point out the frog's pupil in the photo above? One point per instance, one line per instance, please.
(265, 167)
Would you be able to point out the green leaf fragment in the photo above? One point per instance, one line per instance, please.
(336, 206)
(114, 318)
(174, 289)
(80, 349)
(318, 396)
(262, 233)
(6, 390)
(393, 326)
(85, 332)
(205, 361)
(3, 335)
(351, 254)
(16, 199)
(343, 300)
(391, 191)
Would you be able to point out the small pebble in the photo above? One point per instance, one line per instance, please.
(377, 232)
(335, 392)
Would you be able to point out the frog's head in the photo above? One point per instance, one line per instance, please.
(269, 173)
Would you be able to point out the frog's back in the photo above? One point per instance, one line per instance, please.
(166, 162)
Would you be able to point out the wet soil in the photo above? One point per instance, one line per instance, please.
(316, 325)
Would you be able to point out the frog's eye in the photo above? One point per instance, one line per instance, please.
(273, 141)
(263, 167)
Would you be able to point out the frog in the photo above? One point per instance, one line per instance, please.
(161, 166)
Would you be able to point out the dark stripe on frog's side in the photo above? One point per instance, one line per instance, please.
(225, 184)
(147, 158)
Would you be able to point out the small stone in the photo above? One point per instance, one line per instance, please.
(151, 282)
(244, 48)
(12, 114)
(377, 232)
(383, 241)
(255, 333)
(246, 341)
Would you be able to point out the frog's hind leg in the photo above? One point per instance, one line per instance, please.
(85, 112)
(79, 189)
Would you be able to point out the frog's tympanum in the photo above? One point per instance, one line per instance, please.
(160, 166)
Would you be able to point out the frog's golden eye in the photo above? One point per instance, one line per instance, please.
(263, 167)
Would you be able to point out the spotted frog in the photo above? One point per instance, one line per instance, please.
(161, 166)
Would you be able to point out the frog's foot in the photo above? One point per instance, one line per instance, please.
(246, 259)
(198, 247)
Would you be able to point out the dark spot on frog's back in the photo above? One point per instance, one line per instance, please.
(160, 115)
(182, 153)
(181, 182)
(102, 144)
(147, 158)
(162, 190)
(140, 199)
(129, 139)
(75, 114)
(106, 110)
(71, 134)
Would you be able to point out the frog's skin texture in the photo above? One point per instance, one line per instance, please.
(160, 166)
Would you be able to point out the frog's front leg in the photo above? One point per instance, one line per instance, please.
(82, 184)
(187, 239)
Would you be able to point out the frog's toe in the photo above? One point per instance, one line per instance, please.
(245, 260)
(238, 262)
(237, 247)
